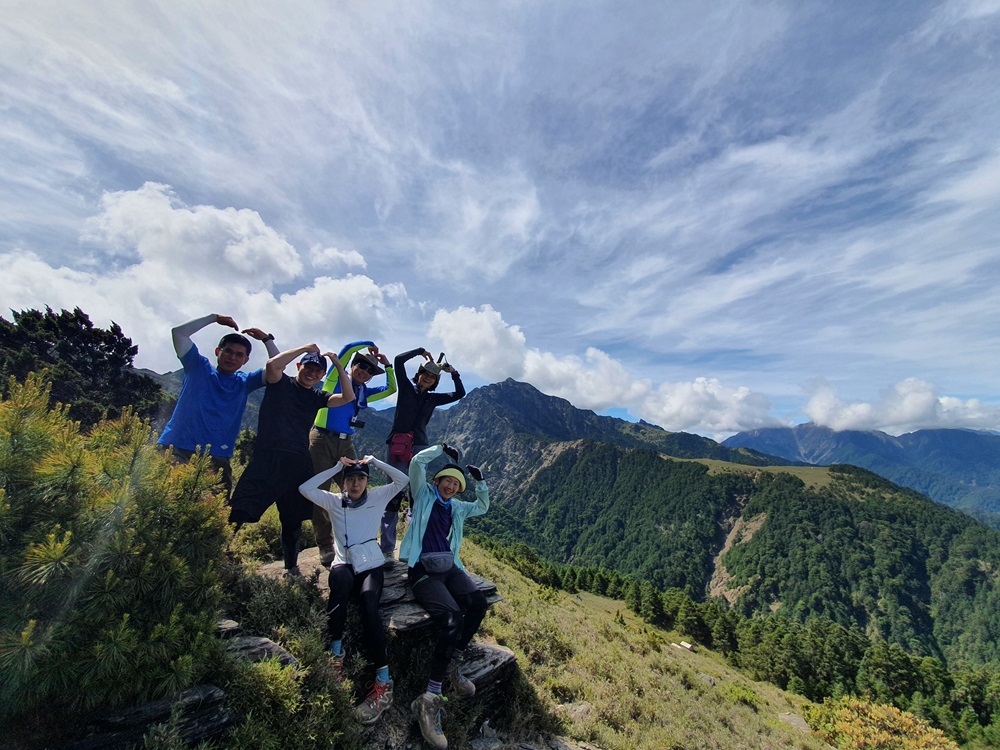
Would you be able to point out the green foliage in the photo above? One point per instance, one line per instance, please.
(90, 368)
(109, 560)
(285, 707)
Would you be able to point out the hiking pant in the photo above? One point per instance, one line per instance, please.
(366, 589)
(391, 517)
(456, 606)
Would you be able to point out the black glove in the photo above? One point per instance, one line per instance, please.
(475, 472)
(452, 452)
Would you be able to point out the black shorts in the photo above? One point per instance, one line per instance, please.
(272, 477)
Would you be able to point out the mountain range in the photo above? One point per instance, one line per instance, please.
(960, 468)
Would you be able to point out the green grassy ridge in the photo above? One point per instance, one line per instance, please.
(616, 681)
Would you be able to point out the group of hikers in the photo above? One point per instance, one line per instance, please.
(305, 462)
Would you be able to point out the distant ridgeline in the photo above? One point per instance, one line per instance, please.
(838, 542)
(960, 468)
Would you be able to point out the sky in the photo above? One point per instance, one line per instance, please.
(713, 217)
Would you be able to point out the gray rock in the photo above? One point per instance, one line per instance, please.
(253, 648)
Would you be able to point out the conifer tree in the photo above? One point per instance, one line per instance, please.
(110, 555)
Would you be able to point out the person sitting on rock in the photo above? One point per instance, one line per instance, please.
(331, 436)
(356, 572)
(438, 579)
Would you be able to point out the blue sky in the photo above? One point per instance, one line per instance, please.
(714, 217)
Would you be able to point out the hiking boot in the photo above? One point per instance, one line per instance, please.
(427, 710)
(326, 557)
(389, 560)
(378, 700)
(292, 574)
(461, 686)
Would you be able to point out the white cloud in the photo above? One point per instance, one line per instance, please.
(227, 245)
(156, 262)
(911, 404)
(497, 350)
(335, 258)
(482, 341)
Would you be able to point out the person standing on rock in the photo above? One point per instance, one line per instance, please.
(330, 438)
(438, 579)
(356, 571)
(281, 459)
(415, 404)
(210, 406)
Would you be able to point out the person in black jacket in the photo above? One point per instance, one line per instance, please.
(415, 404)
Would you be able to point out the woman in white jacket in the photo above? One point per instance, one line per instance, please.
(356, 571)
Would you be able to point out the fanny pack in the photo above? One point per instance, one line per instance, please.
(401, 446)
(365, 556)
(437, 562)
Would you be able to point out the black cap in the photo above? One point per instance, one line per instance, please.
(358, 468)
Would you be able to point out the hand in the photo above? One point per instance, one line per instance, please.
(225, 320)
(310, 349)
(382, 359)
(447, 368)
(475, 472)
(256, 333)
(347, 461)
(367, 460)
(450, 451)
(331, 356)
(427, 355)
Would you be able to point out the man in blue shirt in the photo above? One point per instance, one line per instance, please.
(209, 409)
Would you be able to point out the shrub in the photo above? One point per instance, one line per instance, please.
(853, 724)
(109, 558)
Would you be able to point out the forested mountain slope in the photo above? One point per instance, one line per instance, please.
(856, 549)
(960, 468)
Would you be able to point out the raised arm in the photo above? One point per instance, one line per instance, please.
(390, 376)
(181, 335)
(311, 487)
(346, 394)
(277, 364)
(398, 478)
(266, 338)
(402, 359)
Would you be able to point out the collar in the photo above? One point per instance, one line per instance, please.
(441, 500)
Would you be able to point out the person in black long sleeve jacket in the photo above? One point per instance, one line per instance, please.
(415, 404)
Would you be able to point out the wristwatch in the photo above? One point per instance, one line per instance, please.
(270, 337)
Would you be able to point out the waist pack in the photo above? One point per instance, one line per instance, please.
(365, 556)
(401, 446)
(437, 562)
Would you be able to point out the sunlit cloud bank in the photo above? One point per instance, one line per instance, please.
(149, 261)
(910, 405)
(498, 350)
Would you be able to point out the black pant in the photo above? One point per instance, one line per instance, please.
(455, 604)
(274, 477)
(366, 588)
